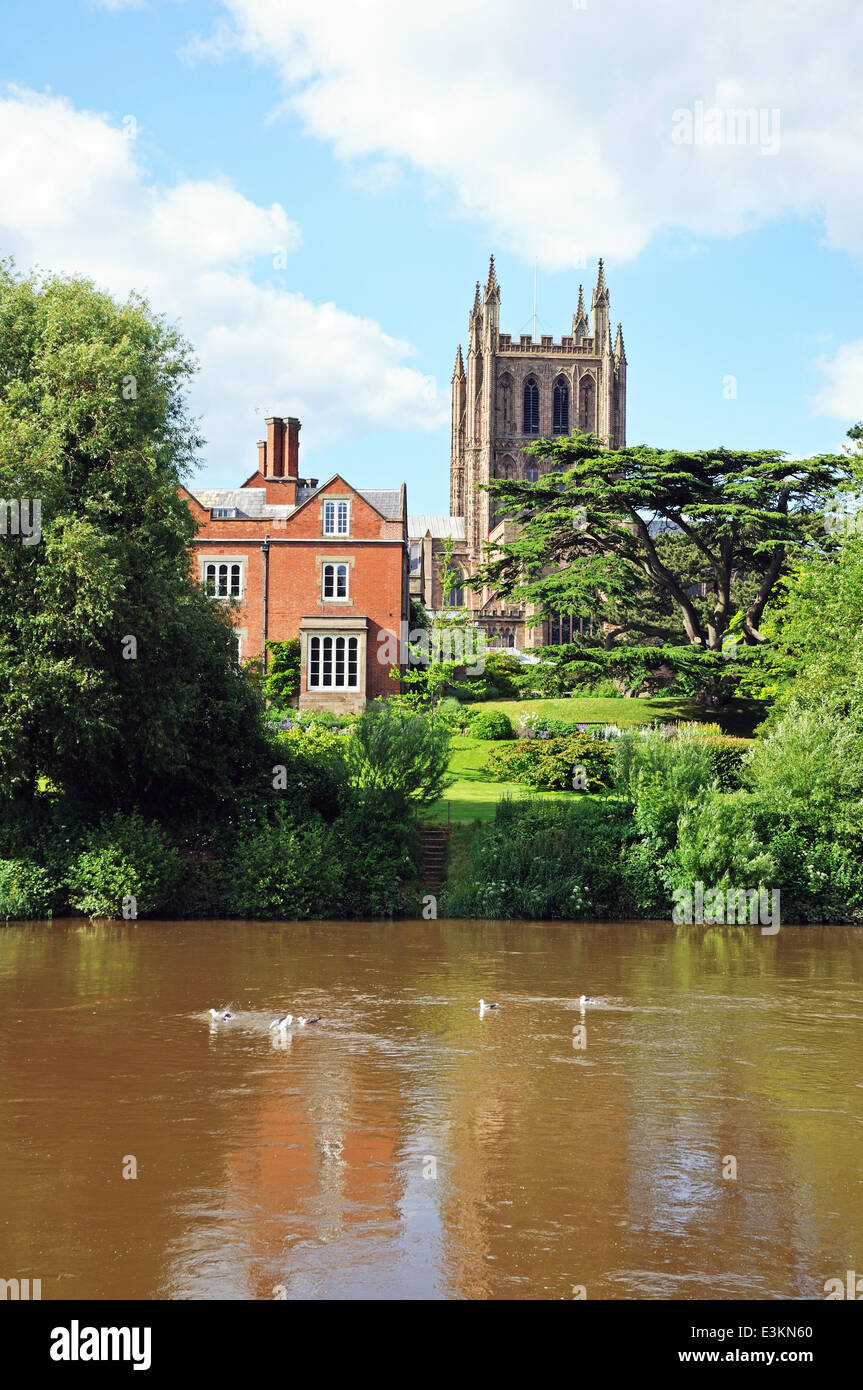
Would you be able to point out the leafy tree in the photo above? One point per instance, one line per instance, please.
(282, 680)
(630, 532)
(118, 676)
(403, 755)
(448, 645)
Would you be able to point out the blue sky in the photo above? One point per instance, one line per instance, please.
(378, 153)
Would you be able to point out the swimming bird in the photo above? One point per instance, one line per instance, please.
(221, 1014)
(585, 999)
(484, 1007)
(282, 1024)
(303, 1021)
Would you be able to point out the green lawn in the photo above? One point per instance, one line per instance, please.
(628, 713)
(471, 797)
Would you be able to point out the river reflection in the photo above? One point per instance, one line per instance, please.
(406, 1148)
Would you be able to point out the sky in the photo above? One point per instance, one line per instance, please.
(311, 189)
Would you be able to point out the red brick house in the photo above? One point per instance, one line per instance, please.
(326, 563)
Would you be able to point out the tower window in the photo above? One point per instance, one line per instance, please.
(585, 417)
(454, 597)
(531, 406)
(531, 472)
(561, 408)
(505, 404)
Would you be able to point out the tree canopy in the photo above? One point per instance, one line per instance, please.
(118, 675)
(633, 535)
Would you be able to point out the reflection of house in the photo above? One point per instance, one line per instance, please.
(509, 395)
(326, 563)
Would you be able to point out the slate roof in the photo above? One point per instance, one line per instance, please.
(387, 501)
(440, 527)
(251, 502)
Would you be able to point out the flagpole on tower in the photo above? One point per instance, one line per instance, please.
(534, 299)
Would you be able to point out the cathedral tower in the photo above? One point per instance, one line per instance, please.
(512, 393)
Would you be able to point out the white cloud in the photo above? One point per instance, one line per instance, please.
(76, 200)
(552, 125)
(841, 396)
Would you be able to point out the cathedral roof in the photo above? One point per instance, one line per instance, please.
(440, 527)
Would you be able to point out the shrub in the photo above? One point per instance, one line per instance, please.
(285, 871)
(821, 880)
(661, 776)
(491, 724)
(282, 680)
(124, 857)
(809, 769)
(551, 860)
(403, 755)
(380, 849)
(551, 764)
(530, 724)
(26, 890)
(720, 840)
(504, 673)
(454, 716)
(728, 759)
(315, 772)
(644, 878)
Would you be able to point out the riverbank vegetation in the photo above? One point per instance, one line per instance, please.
(708, 725)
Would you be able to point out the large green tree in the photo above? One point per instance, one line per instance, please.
(628, 535)
(118, 676)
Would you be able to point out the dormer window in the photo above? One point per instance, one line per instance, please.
(336, 518)
(222, 513)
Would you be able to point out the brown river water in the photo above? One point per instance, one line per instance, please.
(404, 1147)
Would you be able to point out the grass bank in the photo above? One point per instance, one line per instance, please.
(474, 797)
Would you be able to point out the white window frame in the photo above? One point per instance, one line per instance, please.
(230, 561)
(334, 567)
(339, 509)
(325, 655)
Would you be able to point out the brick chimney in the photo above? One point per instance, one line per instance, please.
(275, 457)
(293, 450)
(280, 457)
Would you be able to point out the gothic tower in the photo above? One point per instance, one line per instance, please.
(512, 393)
